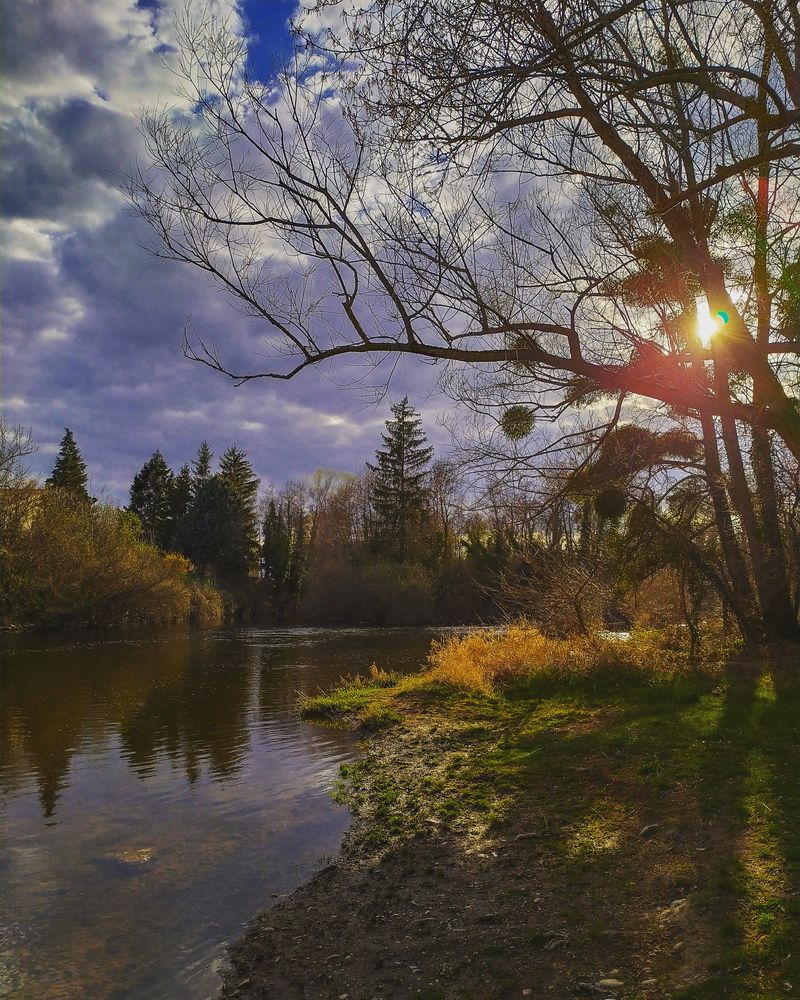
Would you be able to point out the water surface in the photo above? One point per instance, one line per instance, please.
(156, 791)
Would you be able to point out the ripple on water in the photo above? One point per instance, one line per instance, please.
(157, 790)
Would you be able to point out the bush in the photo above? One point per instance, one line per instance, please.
(64, 561)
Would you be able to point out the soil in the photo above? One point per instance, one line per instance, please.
(533, 908)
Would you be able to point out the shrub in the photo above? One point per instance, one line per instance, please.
(486, 659)
(65, 562)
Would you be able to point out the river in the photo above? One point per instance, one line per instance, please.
(156, 791)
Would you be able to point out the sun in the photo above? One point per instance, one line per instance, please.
(707, 325)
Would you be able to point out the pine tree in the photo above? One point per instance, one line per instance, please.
(201, 466)
(180, 498)
(207, 532)
(69, 472)
(274, 550)
(152, 500)
(236, 474)
(399, 481)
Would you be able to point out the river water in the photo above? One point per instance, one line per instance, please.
(156, 791)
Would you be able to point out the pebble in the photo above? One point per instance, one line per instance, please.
(611, 983)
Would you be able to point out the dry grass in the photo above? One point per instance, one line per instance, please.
(487, 660)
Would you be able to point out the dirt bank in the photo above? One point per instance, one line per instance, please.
(564, 847)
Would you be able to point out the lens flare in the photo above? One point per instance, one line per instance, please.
(707, 325)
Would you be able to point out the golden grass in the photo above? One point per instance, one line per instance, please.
(487, 659)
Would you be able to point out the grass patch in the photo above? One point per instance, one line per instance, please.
(512, 735)
(355, 700)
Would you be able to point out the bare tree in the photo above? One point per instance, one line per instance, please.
(16, 444)
(597, 200)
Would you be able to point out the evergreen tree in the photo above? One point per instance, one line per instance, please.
(284, 552)
(180, 499)
(201, 466)
(274, 550)
(69, 472)
(236, 474)
(152, 492)
(399, 481)
(296, 568)
(210, 533)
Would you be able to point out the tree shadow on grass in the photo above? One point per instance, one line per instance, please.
(749, 791)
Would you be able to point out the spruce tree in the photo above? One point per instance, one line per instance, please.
(274, 550)
(296, 568)
(201, 466)
(69, 472)
(400, 491)
(207, 532)
(152, 500)
(237, 476)
(284, 552)
(180, 499)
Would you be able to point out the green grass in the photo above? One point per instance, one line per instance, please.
(355, 700)
(715, 757)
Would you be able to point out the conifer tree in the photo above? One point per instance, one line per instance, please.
(296, 568)
(274, 550)
(236, 474)
(284, 552)
(69, 471)
(181, 497)
(207, 533)
(152, 500)
(399, 481)
(201, 466)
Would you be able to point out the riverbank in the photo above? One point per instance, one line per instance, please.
(599, 836)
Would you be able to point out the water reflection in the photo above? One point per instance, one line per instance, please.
(156, 791)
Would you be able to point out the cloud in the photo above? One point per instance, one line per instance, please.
(92, 323)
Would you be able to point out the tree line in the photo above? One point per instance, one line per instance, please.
(337, 547)
(619, 532)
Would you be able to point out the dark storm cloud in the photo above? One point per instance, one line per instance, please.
(93, 324)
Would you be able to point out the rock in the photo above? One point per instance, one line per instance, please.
(135, 856)
(649, 830)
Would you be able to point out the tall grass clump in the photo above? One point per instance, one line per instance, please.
(488, 659)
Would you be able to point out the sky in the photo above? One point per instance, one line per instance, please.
(92, 323)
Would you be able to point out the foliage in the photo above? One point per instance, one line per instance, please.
(284, 551)
(400, 493)
(517, 422)
(241, 485)
(69, 471)
(486, 660)
(152, 500)
(63, 563)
